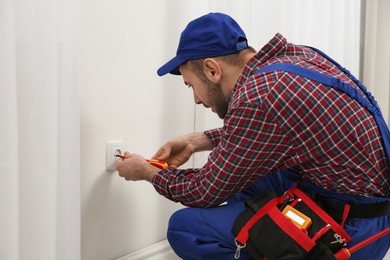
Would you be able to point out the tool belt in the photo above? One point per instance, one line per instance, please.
(293, 226)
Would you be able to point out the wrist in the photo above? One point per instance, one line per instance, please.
(201, 142)
(150, 173)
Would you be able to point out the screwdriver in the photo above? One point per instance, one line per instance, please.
(156, 163)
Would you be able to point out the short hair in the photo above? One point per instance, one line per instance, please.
(235, 59)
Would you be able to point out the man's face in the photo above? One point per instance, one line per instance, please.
(206, 92)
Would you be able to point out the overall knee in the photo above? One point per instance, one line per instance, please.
(180, 235)
(178, 223)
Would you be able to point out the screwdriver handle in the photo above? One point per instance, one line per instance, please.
(158, 163)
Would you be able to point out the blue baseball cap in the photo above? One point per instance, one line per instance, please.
(211, 35)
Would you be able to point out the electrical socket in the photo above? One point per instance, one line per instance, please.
(113, 148)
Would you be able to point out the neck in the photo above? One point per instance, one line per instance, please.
(231, 74)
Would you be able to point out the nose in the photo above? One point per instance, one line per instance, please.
(196, 99)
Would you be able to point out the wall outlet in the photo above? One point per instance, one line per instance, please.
(113, 148)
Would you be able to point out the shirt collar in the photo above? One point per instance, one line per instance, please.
(267, 53)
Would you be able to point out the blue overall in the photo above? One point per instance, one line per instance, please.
(205, 234)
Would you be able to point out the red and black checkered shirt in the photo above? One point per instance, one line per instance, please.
(279, 120)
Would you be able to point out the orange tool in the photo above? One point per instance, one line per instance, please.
(158, 163)
(154, 162)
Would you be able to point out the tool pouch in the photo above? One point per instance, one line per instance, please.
(291, 226)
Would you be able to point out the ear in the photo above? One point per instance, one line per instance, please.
(212, 70)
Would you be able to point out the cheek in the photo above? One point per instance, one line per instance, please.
(196, 98)
(200, 94)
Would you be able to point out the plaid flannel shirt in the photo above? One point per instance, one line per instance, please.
(279, 120)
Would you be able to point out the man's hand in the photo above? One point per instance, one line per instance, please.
(177, 151)
(134, 167)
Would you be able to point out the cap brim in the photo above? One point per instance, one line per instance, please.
(171, 66)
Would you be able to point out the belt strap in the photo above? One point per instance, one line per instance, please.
(336, 209)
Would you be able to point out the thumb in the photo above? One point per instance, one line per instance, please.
(162, 154)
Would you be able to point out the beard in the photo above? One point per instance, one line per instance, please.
(220, 101)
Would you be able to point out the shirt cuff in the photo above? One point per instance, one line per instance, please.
(161, 181)
(214, 135)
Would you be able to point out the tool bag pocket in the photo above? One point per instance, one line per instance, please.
(291, 226)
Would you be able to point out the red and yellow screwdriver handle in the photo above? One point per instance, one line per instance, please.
(156, 163)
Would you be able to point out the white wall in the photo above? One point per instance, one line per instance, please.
(123, 98)
(123, 43)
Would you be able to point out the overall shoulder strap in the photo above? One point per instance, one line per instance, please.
(369, 102)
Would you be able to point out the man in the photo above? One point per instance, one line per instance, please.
(273, 120)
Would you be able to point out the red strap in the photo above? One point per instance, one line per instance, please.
(322, 214)
(243, 235)
(284, 223)
(345, 214)
(289, 228)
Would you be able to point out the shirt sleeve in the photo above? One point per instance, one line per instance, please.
(250, 145)
(214, 135)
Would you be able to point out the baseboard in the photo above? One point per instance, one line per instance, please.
(158, 251)
(163, 251)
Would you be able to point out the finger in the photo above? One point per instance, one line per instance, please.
(158, 153)
(126, 154)
(118, 166)
(173, 165)
(174, 162)
(162, 154)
